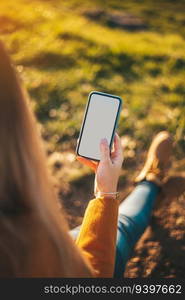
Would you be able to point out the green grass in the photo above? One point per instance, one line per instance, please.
(61, 56)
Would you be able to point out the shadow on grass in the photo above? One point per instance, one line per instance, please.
(49, 98)
(113, 63)
(69, 36)
(110, 62)
(50, 61)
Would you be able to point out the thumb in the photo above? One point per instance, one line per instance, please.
(104, 150)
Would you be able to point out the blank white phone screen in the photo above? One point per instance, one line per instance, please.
(99, 123)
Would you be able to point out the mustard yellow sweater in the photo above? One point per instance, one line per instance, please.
(97, 236)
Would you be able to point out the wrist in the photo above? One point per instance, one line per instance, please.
(110, 189)
(112, 195)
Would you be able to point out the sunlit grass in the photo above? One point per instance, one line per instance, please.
(62, 56)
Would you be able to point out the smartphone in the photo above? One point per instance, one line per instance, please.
(100, 121)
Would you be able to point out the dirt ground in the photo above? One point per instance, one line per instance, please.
(160, 252)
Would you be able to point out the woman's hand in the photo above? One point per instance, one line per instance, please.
(107, 171)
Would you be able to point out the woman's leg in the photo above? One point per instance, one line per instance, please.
(134, 216)
(135, 211)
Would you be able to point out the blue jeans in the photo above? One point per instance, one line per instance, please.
(134, 217)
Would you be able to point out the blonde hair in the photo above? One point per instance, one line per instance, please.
(34, 239)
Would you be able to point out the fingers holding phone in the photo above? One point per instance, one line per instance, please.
(117, 153)
(109, 167)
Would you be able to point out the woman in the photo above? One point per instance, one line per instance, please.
(34, 234)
